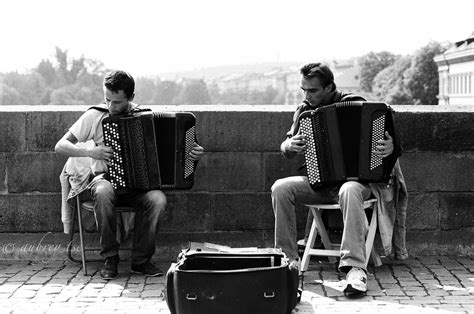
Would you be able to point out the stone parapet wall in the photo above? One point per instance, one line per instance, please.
(230, 201)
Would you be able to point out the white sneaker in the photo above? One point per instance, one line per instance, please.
(356, 281)
(295, 264)
(301, 243)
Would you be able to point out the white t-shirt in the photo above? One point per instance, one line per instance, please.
(89, 127)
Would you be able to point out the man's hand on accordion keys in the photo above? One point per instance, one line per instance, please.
(296, 144)
(197, 152)
(102, 152)
(384, 147)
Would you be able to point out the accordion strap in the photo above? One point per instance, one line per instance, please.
(99, 108)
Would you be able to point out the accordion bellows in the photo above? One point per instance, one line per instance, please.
(341, 140)
(151, 150)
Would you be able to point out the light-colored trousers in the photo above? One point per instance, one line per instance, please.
(289, 191)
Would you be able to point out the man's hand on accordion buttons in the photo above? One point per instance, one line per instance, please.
(197, 152)
(296, 144)
(101, 153)
(384, 147)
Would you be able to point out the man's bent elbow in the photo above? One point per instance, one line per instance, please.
(58, 148)
(61, 148)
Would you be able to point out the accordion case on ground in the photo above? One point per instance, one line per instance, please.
(235, 281)
(151, 150)
(341, 140)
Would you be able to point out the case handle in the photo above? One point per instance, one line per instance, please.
(191, 297)
(269, 295)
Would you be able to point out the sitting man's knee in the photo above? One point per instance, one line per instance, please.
(157, 199)
(104, 190)
(349, 187)
(278, 186)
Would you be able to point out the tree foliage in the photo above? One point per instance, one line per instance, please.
(194, 92)
(8, 95)
(388, 84)
(422, 78)
(62, 82)
(411, 80)
(78, 81)
(371, 64)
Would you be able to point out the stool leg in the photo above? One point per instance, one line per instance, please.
(369, 244)
(81, 236)
(323, 233)
(309, 245)
(71, 238)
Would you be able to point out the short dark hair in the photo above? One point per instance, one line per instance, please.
(321, 71)
(120, 80)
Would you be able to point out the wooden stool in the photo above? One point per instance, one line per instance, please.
(332, 250)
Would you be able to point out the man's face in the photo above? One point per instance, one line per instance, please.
(117, 103)
(314, 92)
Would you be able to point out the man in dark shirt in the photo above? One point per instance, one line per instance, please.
(319, 90)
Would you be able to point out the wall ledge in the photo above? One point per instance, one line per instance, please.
(231, 108)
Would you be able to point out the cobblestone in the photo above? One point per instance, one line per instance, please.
(428, 284)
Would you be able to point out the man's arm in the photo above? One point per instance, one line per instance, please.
(67, 146)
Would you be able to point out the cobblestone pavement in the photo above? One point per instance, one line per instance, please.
(429, 284)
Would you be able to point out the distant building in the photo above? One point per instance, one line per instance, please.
(346, 77)
(456, 73)
(287, 81)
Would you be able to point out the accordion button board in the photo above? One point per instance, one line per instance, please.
(151, 150)
(116, 169)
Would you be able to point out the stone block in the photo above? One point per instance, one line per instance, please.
(218, 171)
(34, 172)
(457, 210)
(241, 211)
(12, 135)
(243, 131)
(249, 211)
(44, 129)
(44, 247)
(3, 173)
(436, 131)
(438, 171)
(186, 211)
(277, 166)
(436, 242)
(423, 211)
(30, 212)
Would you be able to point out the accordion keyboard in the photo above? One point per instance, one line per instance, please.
(116, 169)
(189, 163)
(311, 155)
(378, 126)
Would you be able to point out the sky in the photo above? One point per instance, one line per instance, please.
(147, 37)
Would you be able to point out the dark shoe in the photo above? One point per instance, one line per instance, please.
(110, 269)
(147, 269)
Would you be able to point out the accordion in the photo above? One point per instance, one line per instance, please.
(341, 139)
(151, 150)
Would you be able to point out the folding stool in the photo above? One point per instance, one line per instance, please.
(332, 250)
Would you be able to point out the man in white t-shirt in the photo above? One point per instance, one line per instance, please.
(119, 87)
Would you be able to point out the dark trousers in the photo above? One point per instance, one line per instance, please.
(148, 206)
